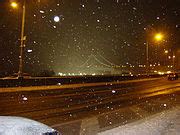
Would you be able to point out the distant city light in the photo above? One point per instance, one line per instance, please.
(161, 73)
(59, 84)
(80, 73)
(61, 74)
(166, 51)
(168, 72)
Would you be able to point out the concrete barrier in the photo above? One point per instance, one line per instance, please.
(43, 81)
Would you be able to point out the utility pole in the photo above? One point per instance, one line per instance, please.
(22, 45)
(173, 61)
(147, 58)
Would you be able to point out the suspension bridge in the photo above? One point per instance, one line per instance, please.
(100, 65)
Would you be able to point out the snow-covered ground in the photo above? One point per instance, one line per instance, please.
(165, 123)
(23, 126)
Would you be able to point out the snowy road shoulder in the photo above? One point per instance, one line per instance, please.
(165, 123)
(23, 126)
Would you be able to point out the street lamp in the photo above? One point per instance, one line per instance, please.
(14, 4)
(173, 58)
(147, 58)
(166, 51)
(158, 37)
(23, 38)
(166, 57)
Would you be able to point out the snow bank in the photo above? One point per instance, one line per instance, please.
(23, 126)
(161, 124)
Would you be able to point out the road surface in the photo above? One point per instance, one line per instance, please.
(91, 108)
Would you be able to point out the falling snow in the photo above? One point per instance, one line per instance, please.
(63, 34)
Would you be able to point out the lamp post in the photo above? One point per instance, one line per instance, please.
(158, 37)
(166, 57)
(173, 61)
(22, 45)
(23, 38)
(147, 58)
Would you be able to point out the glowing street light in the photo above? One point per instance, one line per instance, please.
(158, 37)
(14, 4)
(173, 60)
(166, 51)
(23, 38)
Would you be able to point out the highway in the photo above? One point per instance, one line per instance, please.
(68, 106)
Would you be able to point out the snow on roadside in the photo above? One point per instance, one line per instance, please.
(22, 126)
(165, 123)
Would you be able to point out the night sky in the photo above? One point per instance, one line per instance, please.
(116, 30)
